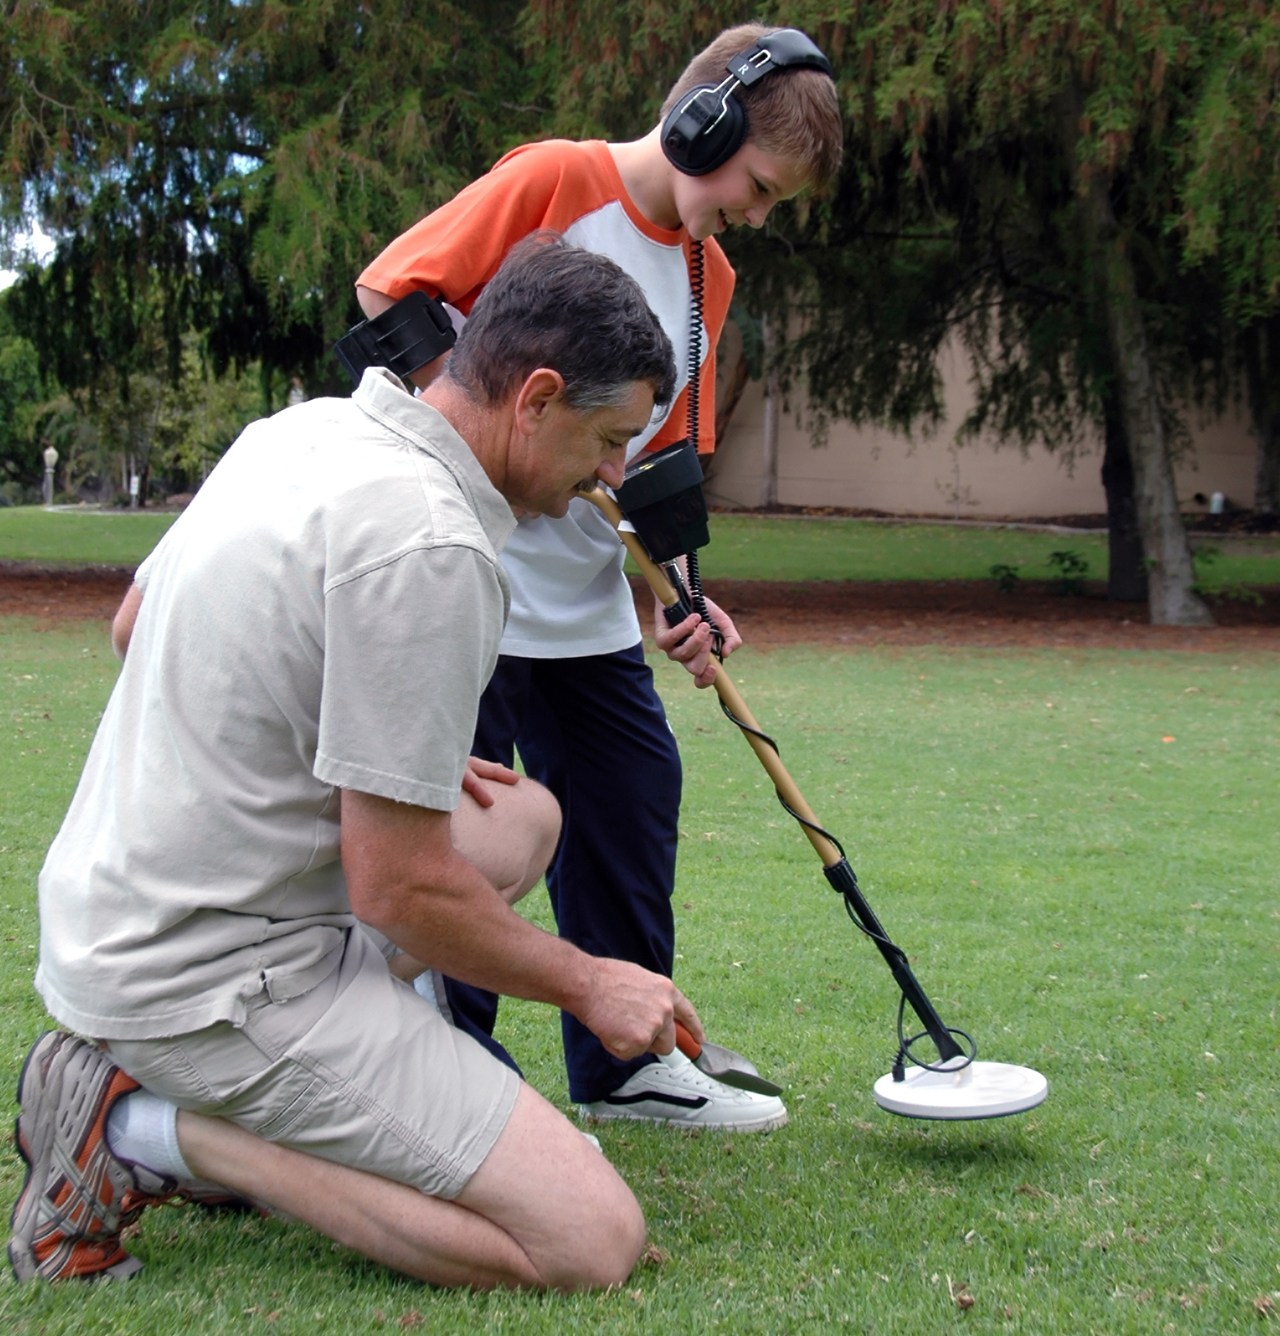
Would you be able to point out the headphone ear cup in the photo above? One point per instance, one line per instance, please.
(700, 152)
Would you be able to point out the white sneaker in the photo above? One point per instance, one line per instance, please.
(672, 1090)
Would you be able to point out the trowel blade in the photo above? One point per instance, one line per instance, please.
(733, 1070)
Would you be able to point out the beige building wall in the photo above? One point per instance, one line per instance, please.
(866, 468)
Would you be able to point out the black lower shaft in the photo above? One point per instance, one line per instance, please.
(842, 879)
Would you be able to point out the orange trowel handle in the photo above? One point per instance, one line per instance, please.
(687, 1044)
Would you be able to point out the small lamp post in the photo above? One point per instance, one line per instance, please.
(50, 463)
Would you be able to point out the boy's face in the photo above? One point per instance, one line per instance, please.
(741, 192)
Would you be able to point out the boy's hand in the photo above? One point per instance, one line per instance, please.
(478, 771)
(695, 651)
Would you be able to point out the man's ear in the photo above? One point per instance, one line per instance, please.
(534, 398)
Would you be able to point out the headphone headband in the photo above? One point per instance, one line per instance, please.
(788, 48)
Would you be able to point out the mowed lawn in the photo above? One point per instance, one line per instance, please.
(743, 547)
(750, 547)
(1079, 852)
(76, 538)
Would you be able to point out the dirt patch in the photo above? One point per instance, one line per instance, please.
(970, 612)
(85, 593)
(829, 612)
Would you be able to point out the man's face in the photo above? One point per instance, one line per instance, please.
(565, 451)
(740, 192)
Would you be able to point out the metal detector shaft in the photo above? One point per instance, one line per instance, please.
(835, 866)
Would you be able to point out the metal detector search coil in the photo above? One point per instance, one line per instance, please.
(976, 1090)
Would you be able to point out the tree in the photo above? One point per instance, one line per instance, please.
(232, 168)
(1231, 181)
(20, 463)
(1019, 177)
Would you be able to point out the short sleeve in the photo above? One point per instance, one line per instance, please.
(408, 647)
(454, 251)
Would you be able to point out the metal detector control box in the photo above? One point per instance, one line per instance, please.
(661, 494)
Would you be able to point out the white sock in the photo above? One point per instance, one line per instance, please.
(142, 1129)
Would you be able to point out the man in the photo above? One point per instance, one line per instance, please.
(572, 645)
(283, 755)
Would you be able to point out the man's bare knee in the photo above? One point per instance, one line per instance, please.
(544, 832)
(559, 1198)
(512, 841)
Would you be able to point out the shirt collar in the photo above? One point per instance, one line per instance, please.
(382, 395)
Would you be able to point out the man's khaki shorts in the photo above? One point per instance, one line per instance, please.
(360, 1070)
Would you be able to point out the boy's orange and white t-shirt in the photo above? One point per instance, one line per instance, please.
(568, 594)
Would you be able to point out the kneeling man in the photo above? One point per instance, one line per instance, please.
(285, 753)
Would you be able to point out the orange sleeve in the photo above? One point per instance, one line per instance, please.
(454, 251)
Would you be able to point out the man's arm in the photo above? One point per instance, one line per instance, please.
(122, 623)
(405, 878)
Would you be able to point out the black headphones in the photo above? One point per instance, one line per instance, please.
(708, 125)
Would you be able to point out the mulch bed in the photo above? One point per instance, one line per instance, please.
(827, 612)
(970, 612)
(32, 589)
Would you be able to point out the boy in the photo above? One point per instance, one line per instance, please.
(572, 692)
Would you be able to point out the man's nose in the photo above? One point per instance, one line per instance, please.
(611, 471)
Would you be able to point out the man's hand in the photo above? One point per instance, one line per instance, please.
(631, 1010)
(478, 771)
(695, 652)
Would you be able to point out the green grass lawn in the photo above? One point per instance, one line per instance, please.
(113, 537)
(742, 548)
(1079, 893)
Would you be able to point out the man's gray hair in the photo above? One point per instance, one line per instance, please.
(557, 306)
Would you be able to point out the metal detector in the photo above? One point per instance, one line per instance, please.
(663, 503)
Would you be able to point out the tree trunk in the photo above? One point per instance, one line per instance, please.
(1127, 570)
(1262, 379)
(1170, 573)
(772, 402)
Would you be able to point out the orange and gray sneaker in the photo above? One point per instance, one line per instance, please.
(77, 1196)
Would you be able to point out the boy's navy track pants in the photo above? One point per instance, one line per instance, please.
(594, 732)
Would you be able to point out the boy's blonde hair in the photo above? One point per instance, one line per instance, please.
(794, 113)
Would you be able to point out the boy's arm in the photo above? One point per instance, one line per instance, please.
(454, 251)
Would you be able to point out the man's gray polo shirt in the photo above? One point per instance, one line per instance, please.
(324, 615)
